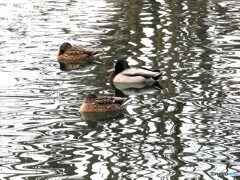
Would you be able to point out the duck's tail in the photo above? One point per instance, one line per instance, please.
(97, 53)
(156, 77)
(128, 100)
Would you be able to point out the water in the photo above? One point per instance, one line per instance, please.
(189, 130)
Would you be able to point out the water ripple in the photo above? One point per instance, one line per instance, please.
(189, 130)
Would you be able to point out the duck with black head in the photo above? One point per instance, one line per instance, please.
(122, 73)
(131, 81)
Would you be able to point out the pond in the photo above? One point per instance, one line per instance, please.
(187, 130)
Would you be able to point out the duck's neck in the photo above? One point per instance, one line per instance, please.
(112, 75)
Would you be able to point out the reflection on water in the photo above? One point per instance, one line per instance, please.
(189, 129)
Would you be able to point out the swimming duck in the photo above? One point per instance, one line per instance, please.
(93, 103)
(76, 54)
(122, 73)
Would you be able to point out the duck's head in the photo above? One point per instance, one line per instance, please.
(64, 47)
(90, 98)
(120, 66)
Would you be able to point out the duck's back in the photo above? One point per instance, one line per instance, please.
(136, 75)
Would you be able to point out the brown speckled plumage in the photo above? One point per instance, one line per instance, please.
(77, 54)
(93, 103)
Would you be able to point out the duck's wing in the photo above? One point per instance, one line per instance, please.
(75, 50)
(147, 73)
(111, 100)
(104, 100)
(91, 51)
(81, 50)
(120, 100)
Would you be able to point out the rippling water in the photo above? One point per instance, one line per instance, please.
(189, 130)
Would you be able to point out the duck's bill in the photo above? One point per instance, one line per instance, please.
(111, 70)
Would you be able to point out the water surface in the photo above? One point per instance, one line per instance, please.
(189, 130)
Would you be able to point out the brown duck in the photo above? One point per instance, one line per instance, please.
(77, 54)
(93, 103)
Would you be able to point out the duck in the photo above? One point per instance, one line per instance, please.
(77, 54)
(122, 73)
(93, 103)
